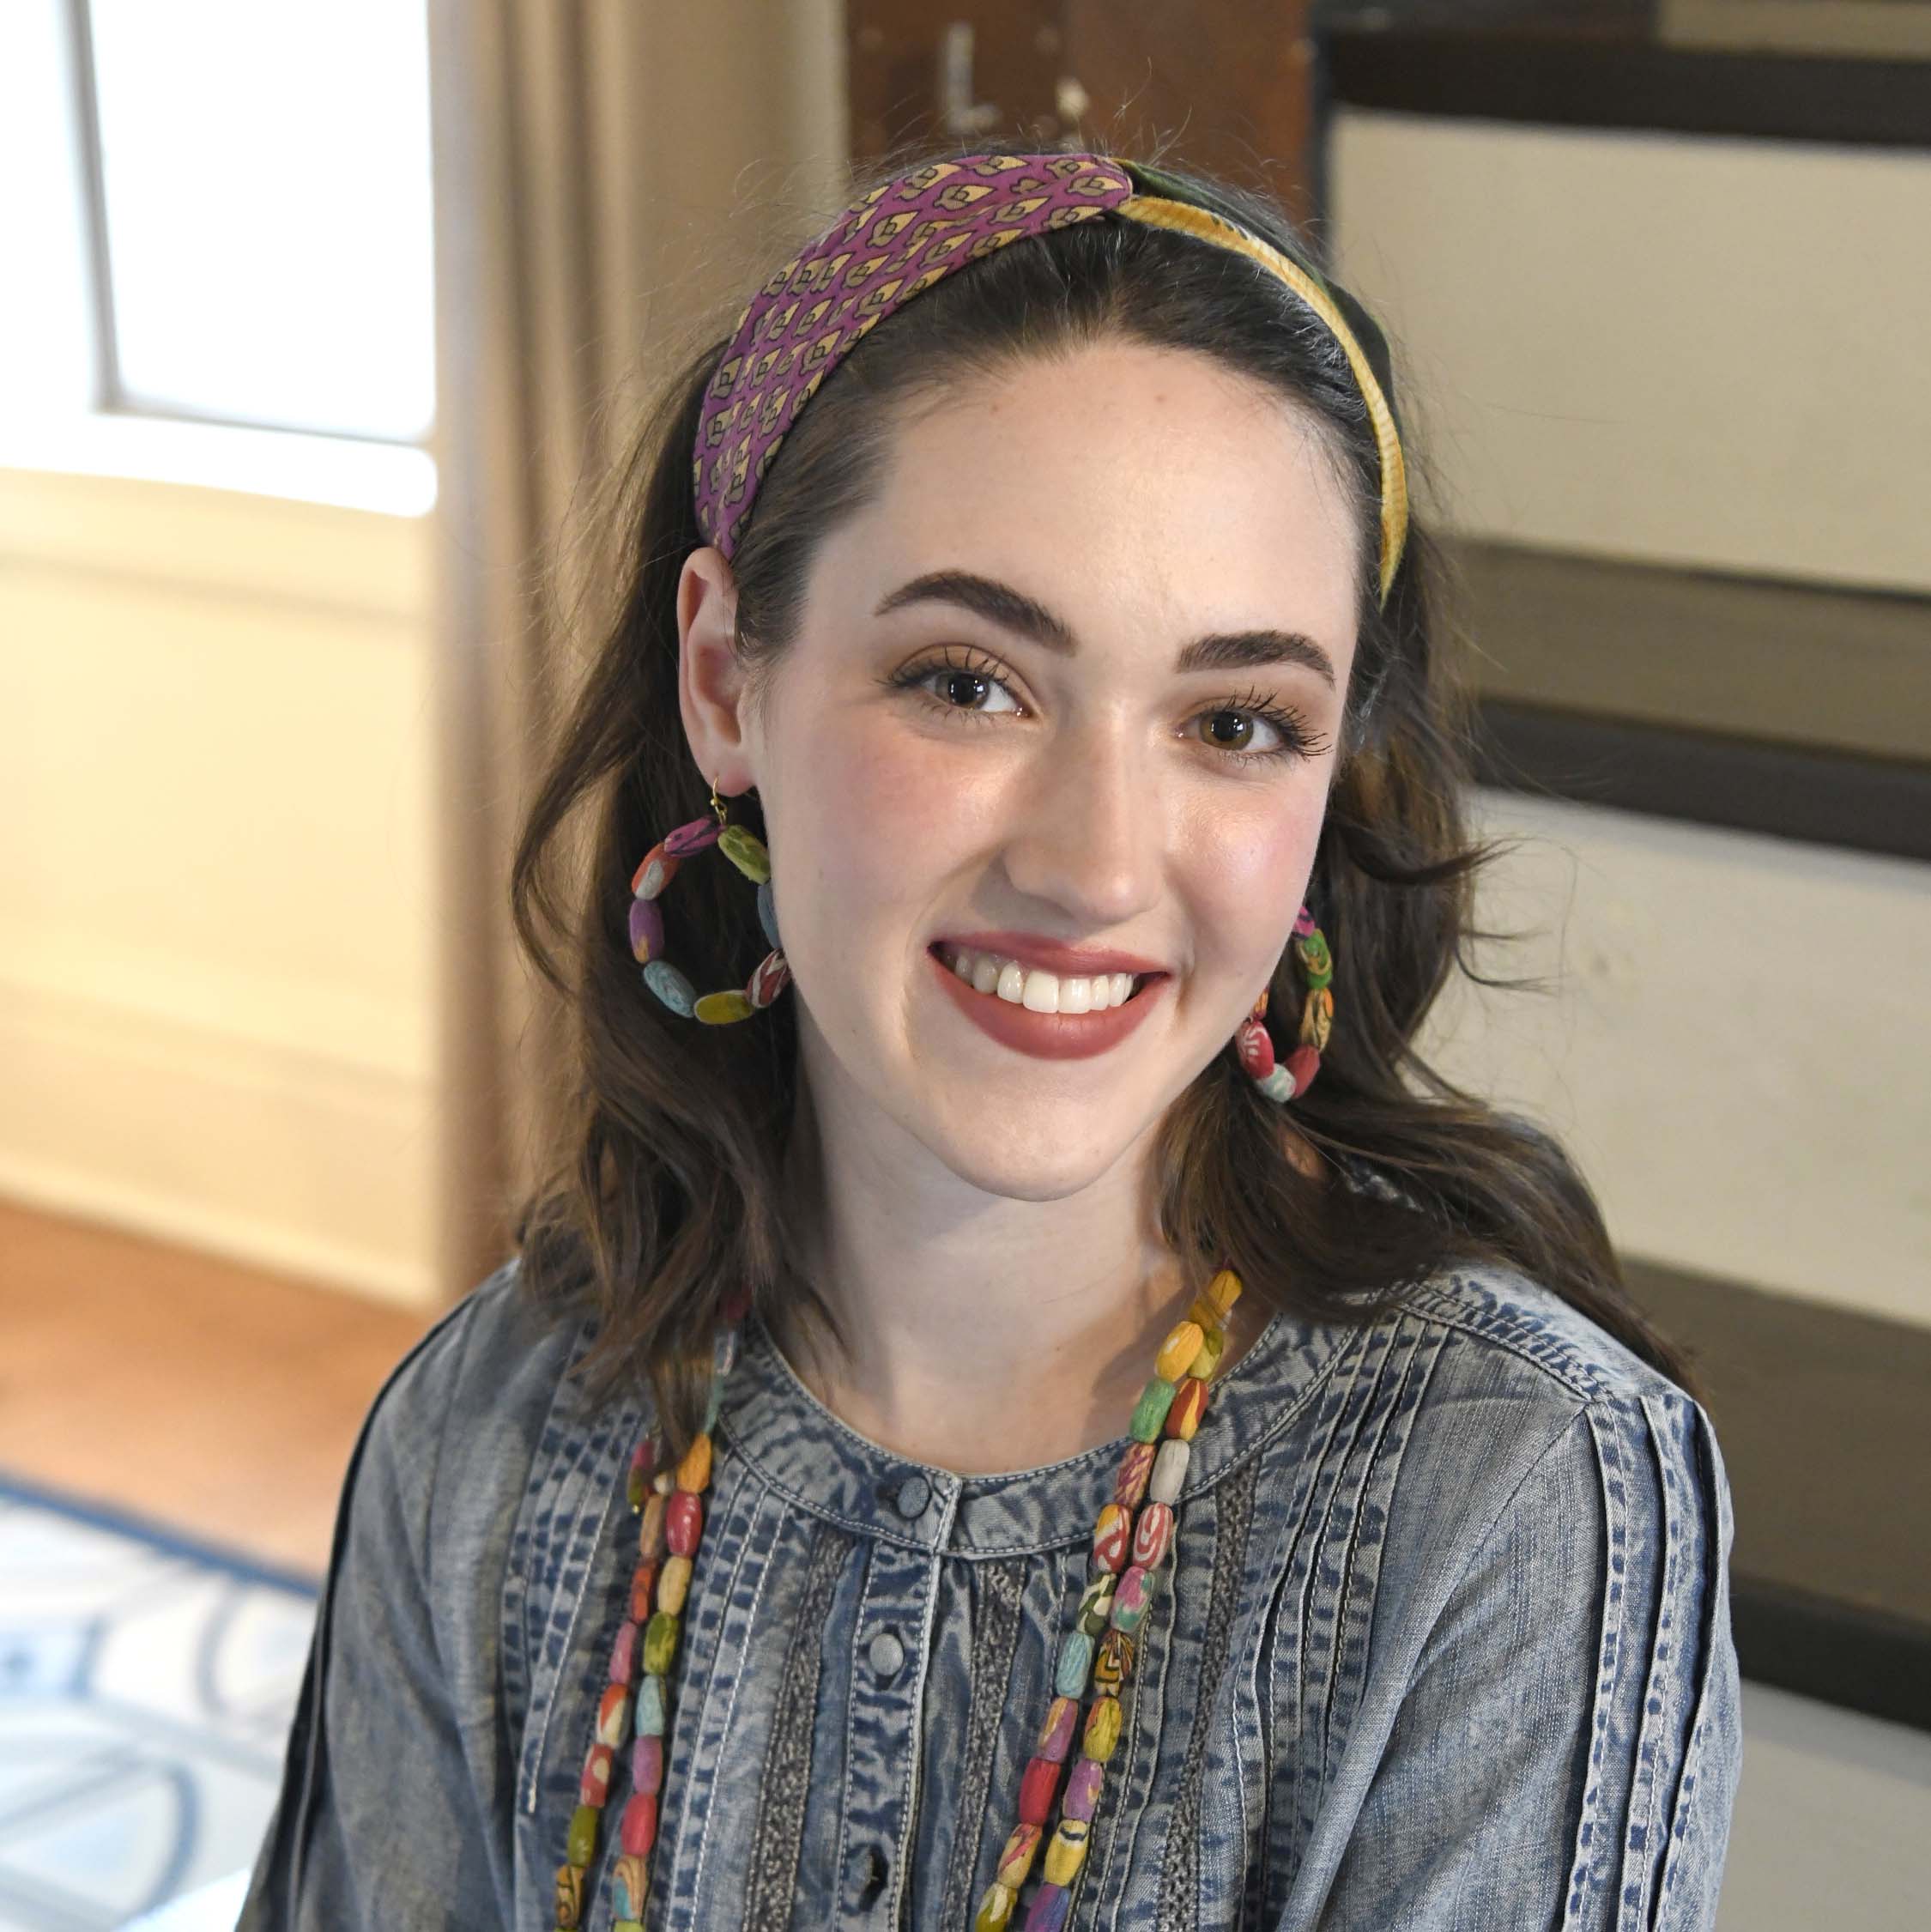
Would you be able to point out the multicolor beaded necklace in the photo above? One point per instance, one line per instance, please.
(1131, 1539)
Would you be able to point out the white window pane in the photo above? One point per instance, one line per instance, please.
(47, 348)
(266, 172)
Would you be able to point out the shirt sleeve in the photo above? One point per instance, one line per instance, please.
(377, 1823)
(1567, 1753)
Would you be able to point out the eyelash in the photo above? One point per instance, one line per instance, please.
(1297, 742)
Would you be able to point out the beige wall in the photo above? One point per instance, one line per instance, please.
(216, 905)
(1687, 350)
(1604, 334)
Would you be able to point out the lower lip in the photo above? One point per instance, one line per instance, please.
(1048, 1036)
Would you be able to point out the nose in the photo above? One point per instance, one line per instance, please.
(1089, 836)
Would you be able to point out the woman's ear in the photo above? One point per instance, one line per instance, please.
(711, 681)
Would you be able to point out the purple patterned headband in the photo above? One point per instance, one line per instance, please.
(912, 232)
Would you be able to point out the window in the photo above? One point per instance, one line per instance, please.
(223, 211)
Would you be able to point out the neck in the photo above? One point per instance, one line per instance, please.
(987, 1335)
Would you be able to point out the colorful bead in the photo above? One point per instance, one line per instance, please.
(1152, 1535)
(1212, 1346)
(1066, 1850)
(1317, 1018)
(1056, 1734)
(1316, 961)
(746, 850)
(675, 1585)
(1112, 1662)
(683, 1522)
(693, 1473)
(623, 1653)
(1096, 1605)
(613, 1714)
(768, 915)
(712, 1403)
(660, 1643)
(581, 1842)
(1131, 1600)
(638, 1831)
(1188, 1405)
(630, 1880)
(1304, 1063)
(693, 838)
(1016, 1860)
(1051, 1904)
(1279, 1085)
(650, 1706)
(1254, 1049)
(720, 1009)
(996, 1908)
(649, 1528)
(670, 986)
(642, 1581)
(1111, 1531)
(1038, 1784)
(635, 1485)
(1170, 1471)
(1177, 1351)
(664, 1482)
(1135, 1465)
(1304, 923)
(646, 1764)
(1082, 1788)
(771, 975)
(1102, 1729)
(1223, 1292)
(1076, 1663)
(593, 1786)
(1205, 1314)
(646, 930)
(1259, 1010)
(569, 1896)
(1150, 1411)
(656, 871)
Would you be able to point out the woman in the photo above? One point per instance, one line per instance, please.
(793, 1534)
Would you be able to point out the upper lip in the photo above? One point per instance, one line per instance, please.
(1051, 955)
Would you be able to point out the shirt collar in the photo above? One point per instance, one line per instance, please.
(823, 1465)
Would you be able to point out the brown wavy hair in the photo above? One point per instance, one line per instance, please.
(662, 1191)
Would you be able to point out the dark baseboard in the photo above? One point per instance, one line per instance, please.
(1786, 792)
(1839, 1653)
(1819, 1413)
(1531, 72)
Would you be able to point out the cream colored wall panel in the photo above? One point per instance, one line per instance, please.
(219, 785)
(1686, 349)
(1736, 1048)
(217, 888)
(204, 1138)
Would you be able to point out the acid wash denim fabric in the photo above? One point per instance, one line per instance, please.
(1445, 1643)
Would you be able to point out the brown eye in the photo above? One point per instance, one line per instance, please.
(1231, 730)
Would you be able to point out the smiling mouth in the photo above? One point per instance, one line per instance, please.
(996, 976)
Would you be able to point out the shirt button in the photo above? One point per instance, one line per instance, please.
(886, 1653)
(914, 1494)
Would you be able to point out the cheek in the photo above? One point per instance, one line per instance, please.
(1255, 866)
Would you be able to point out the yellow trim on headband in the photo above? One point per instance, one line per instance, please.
(1156, 211)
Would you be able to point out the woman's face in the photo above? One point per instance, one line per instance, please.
(986, 725)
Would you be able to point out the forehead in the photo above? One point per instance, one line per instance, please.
(1120, 472)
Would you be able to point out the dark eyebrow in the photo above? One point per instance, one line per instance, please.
(1014, 610)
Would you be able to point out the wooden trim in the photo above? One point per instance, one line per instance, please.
(1521, 74)
(1787, 663)
(1822, 798)
(1839, 1653)
(1818, 1410)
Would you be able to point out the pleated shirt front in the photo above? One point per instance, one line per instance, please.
(1443, 1642)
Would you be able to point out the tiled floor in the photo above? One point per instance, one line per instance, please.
(219, 1399)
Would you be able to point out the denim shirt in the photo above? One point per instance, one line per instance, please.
(1443, 1642)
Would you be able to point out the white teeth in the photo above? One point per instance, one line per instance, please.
(1037, 991)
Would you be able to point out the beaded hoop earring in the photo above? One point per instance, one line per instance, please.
(1252, 1043)
(746, 850)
